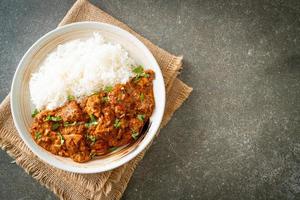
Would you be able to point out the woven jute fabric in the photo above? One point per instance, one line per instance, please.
(107, 185)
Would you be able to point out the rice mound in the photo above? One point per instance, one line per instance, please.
(79, 68)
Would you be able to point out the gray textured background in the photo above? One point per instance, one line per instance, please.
(237, 137)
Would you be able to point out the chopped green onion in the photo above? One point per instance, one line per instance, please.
(70, 97)
(55, 126)
(35, 112)
(108, 89)
(38, 135)
(117, 123)
(134, 134)
(62, 139)
(142, 96)
(141, 117)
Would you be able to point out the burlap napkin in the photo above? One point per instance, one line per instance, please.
(108, 185)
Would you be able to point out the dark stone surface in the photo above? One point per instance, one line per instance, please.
(237, 137)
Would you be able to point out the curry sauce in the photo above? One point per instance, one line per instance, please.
(97, 124)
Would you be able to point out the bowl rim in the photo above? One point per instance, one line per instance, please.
(114, 164)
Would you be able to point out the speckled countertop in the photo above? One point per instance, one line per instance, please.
(237, 136)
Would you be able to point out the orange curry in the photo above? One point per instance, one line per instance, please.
(97, 124)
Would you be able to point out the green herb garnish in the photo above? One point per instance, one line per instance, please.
(53, 118)
(105, 99)
(112, 149)
(89, 124)
(108, 89)
(117, 123)
(119, 100)
(48, 118)
(55, 126)
(56, 119)
(70, 97)
(94, 93)
(134, 134)
(66, 124)
(93, 118)
(92, 138)
(34, 112)
(142, 96)
(141, 117)
(38, 135)
(92, 155)
(62, 139)
(92, 122)
(139, 72)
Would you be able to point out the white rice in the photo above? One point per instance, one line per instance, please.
(79, 68)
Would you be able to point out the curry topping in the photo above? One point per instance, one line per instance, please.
(97, 124)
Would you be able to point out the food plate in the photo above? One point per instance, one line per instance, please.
(22, 107)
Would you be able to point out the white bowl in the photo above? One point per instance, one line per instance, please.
(22, 107)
